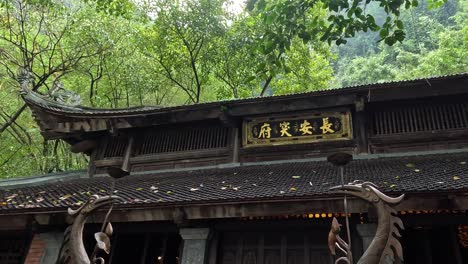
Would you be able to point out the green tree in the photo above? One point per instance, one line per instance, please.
(435, 44)
(182, 39)
(287, 19)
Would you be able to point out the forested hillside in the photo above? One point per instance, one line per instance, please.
(436, 43)
(121, 53)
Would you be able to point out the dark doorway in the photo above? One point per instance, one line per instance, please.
(433, 245)
(139, 248)
(14, 247)
(274, 247)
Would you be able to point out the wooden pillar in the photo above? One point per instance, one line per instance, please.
(92, 165)
(361, 126)
(455, 245)
(426, 256)
(235, 145)
(213, 251)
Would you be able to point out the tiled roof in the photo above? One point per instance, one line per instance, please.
(439, 173)
(35, 99)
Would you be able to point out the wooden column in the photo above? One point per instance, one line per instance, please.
(235, 144)
(426, 256)
(361, 126)
(92, 165)
(214, 244)
(455, 245)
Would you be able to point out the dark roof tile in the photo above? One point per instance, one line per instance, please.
(412, 174)
(44, 102)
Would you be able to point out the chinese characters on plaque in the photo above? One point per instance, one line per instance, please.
(297, 129)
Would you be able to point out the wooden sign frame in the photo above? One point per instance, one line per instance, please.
(286, 129)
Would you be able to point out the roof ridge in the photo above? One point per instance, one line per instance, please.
(40, 179)
(36, 99)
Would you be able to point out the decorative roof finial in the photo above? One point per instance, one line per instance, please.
(24, 78)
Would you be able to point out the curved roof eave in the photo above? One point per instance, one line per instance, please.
(35, 100)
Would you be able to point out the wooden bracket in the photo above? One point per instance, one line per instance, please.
(124, 170)
(85, 146)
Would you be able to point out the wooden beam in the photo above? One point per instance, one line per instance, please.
(160, 157)
(9, 223)
(277, 208)
(85, 146)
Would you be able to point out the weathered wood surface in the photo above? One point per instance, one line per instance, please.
(278, 208)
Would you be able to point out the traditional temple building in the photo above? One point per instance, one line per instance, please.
(247, 181)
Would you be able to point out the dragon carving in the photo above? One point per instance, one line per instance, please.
(385, 246)
(73, 250)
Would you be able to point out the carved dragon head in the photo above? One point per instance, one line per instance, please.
(385, 246)
(367, 191)
(93, 203)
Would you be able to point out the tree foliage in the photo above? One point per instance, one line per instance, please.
(436, 44)
(122, 53)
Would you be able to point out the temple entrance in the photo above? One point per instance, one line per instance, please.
(130, 244)
(435, 244)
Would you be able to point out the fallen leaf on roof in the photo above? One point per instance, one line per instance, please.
(235, 188)
(11, 196)
(103, 191)
(153, 188)
(139, 189)
(194, 189)
(201, 185)
(392, 185)
(79, 203)
(417, 170)
(456, 177)
(281, 192)
(66, 196)
(410, 165)
(40, 199)
(296, 177)
(168, 192)
(397, 177)
(311, 184)
(293, 189)
(223, 188)
(254, 184)
(462, 162)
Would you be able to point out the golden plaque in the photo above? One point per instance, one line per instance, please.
(297, 129)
